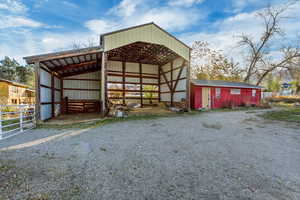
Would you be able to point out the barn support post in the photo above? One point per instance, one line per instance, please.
(123, 81)
(159, 82)
(172, 91)
(62, 104)
(37, 90)
(104, 84)
(141, 83)
(52, 95)
(188, 87)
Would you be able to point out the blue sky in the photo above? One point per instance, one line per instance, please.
(29, 27)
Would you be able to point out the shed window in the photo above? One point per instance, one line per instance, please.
(253, 93)
(235, 91)
(218, 93)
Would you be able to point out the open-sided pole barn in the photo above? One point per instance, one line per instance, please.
(128, 65)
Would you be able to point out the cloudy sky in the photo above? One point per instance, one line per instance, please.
(29, 27)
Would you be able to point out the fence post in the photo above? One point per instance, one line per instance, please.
(21, 117)
(34, 119)
(1, 132)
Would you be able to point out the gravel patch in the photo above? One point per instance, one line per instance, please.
(217, 155)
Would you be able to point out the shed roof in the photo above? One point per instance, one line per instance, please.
(218, 83)
(14, 83)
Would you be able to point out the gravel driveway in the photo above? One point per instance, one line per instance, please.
(217, 155)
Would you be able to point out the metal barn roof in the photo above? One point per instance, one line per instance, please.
(217, 83)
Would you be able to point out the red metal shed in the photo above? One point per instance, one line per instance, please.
(220, 94)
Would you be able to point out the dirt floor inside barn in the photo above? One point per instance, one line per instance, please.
(213, 155)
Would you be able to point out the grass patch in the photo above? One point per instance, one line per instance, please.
(288, 115)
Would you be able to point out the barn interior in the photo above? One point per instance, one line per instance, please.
(138, 75)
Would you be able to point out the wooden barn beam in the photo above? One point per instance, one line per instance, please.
(62, 108)
(159, 82)
(80, 72)
(141, 83)
(52, 96)
(171, 84)
(123, 80)
(69, 67)
(37, 91)
(104, 83)
(179, 74)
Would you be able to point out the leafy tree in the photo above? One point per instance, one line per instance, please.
(10, 69)
(273, 83)
(210, 64)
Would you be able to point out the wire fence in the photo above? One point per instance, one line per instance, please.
(16, 119)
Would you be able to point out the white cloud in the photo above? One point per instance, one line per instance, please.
(70, 4)
(18, 21)
(125, 8)
(135, 12)
(15, 6)
(100, 26)
(224, 37)
(172, 19)
(185, 3)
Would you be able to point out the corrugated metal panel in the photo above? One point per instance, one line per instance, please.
(56, 83)
(166, 67)
(92, 75)
(75, 94)
(114, 78)
(151, 69)
(165, 97)
(114, 65)
(132, 67)
(45, 95)
(164, 88)
(45, 112)
(135, 80)
(148, 80)
(81, 84)
(149, 33)
(57, 96)
(181, 85)
(178, 96)
(45, 78)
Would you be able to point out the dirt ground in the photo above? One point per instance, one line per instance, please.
(215, 155)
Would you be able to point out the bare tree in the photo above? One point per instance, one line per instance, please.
(259, 64)
(90, 43)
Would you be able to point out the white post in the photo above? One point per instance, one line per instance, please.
(1, 123)
(33, 118)
(21, 117)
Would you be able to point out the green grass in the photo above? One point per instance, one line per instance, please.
(287, 114)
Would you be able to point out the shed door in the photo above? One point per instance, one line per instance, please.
(206, 97)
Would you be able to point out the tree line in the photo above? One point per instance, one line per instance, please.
(11, 70)
(258, 67)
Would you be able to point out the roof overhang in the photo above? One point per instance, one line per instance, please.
(231, 85)
(63, 54)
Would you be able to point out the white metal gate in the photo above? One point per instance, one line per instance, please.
(15, 119)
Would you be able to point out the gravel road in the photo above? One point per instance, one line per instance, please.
(216, 155)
